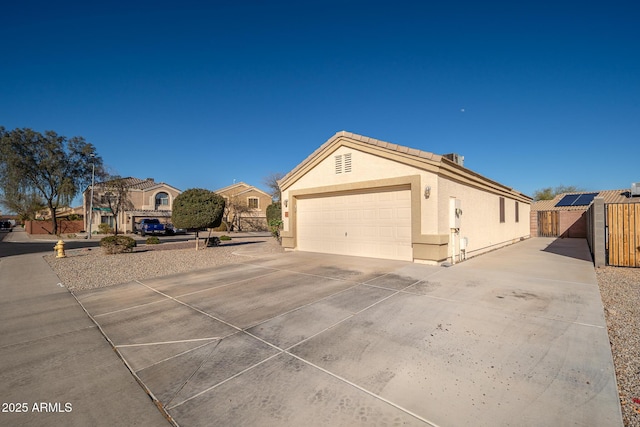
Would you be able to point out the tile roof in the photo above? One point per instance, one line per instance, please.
(137, 183)
(609, 196)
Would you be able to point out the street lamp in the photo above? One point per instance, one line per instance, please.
(93, 174)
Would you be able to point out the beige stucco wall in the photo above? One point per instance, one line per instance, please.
(433, 240)
(366, 167)
(480, 220)
(141, 200)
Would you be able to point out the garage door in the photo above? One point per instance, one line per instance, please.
(372, 224)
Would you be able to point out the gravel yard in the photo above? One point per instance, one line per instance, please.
(90, 268)
(619, 289)
(620, 293)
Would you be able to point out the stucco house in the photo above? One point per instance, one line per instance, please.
(147, 199)
(360, 196)
(246, 207)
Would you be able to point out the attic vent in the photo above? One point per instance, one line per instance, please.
(343, 163)
(347, 162)
(635, 189)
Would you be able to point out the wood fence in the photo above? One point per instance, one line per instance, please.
(548, 223)
(623, 234)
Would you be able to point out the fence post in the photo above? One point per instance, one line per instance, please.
(599, 256)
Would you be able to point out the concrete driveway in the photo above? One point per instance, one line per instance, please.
(514, 337)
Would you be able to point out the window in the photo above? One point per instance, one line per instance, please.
(517, 212)
(104, 219)
(343, 163)
(162, 199)
(502, 209)
(253, 202)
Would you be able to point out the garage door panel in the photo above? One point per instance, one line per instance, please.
(365, 224)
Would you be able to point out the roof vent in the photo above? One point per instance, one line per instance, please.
(635, 189)
(455, 158)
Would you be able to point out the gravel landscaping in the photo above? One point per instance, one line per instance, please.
(620, 293)
(90, 268)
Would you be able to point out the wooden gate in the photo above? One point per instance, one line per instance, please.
(548, 223)
(623, 234)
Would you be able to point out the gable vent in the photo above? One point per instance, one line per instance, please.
(347, 162)
(338, 164)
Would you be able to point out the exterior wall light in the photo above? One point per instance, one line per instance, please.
(427, 191)
(286, 202)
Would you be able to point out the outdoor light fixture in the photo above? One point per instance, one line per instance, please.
(286, 202)
(427, 191)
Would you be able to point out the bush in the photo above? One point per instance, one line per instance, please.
(213, 241)
(274, 212)
(225, 237)
(153, 240)
(117, 244)
(104, 229)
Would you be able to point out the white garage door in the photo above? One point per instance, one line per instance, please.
(372, 224)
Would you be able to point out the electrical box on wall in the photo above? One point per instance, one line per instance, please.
(455, 213)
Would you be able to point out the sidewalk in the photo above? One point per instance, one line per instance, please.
(57, 368)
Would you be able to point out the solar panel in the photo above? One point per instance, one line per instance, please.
(568, 200)
(585, 199)
(576, 199)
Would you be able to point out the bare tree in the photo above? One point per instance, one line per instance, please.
(234, 209)
(271, 182)
(116, 197)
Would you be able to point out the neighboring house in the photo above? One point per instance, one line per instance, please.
(147, 199)
(61, 212)
(360, 196)
(564, 215)
(245, 207)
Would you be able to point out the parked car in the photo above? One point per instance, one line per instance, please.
(171, 230)
(5, 226)
(149, 226)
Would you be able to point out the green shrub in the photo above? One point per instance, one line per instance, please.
(153, 240)
(117, 244)
(104, 229)
(274, 212)
(225, 237)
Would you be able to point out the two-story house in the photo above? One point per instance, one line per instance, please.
(145, 198)
(245, 208)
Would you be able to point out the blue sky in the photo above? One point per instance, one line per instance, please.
(199, 94)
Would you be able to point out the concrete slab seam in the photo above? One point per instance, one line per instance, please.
(364, 390)
(169, 342)
(129, 308)
(195, 371)
(153, 398)
(191, 307)
(342, 321)
(226, 284)
(224, 381)
(293, 310)
(174, 356)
